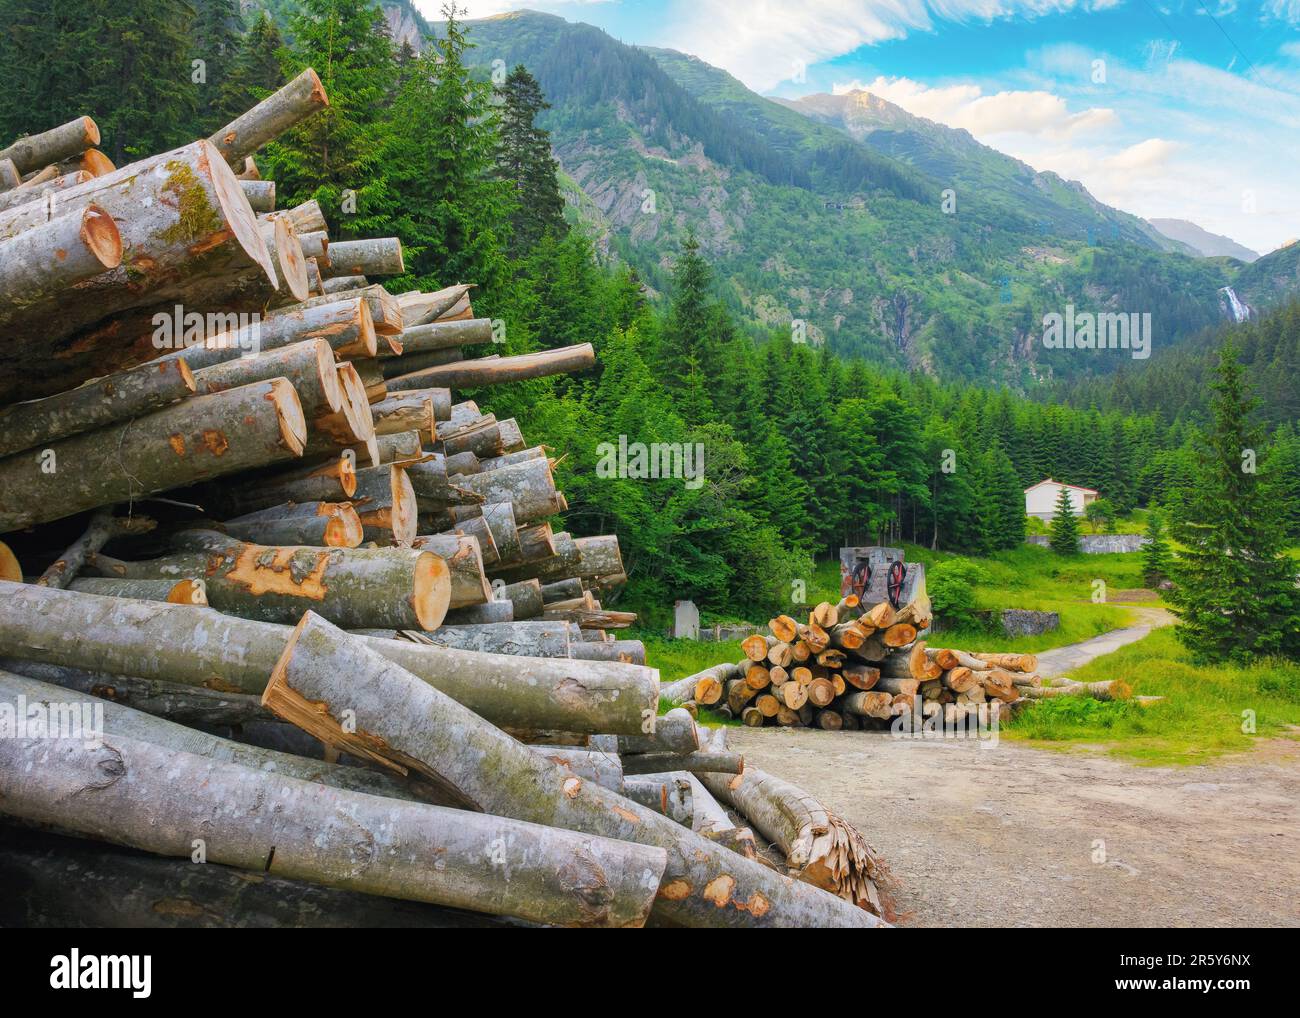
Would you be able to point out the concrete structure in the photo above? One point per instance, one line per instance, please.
(686, 621)
(1040, 500)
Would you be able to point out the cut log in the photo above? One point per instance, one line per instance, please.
(1012, 662)
(469, 585)
(684, 689)
(260, 194)
(66, 141)
(322, 670)
(377, 256)
(71, 883)
(308, 365)
(158, 798)
(674, 732)
(10, 569)
(270, 118)
(521, 639)
(200, 438)
(188, 235)
(436, 336)
(188, 591)
(357, 587)
(100, 402)
(345, 324)
(43, 267)
(525, 597)
(484, 371)
(202, 647)
(669, 796)
(331, 525)
(30, 193)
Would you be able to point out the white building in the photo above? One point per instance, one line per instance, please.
(1040, 500)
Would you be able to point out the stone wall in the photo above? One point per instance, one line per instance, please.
(1098, 544)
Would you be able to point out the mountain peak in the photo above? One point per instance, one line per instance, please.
(1202, 241)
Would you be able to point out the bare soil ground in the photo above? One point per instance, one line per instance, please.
(1014, 836)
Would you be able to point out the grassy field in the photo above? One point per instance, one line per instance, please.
(1202, 717)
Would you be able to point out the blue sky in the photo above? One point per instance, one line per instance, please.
(1184, 109)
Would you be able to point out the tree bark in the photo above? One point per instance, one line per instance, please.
(330, 525)
(675, 732)
(260, 194)
(187, 591)
(703, 883)
(521, 639)
(200, 438)
(525, 598)
(423, 308)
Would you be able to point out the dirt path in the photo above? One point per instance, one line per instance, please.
(1009, 835)
(1063, 660)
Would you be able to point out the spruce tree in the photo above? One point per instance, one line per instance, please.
(450, 210)
(1065, 525)
(254, 71)
(124, 62)
(524, 160)
(334, 156)
(1155, 553)
(215, 41)
(1234, 586)
(1008, 498)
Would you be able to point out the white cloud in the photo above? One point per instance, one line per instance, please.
(966, 106)
(765, 42)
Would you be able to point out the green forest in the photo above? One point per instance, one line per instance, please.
(805, 447)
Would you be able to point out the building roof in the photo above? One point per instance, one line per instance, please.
(1076, 487)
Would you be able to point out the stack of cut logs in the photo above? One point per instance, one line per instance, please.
(272, 560)
(852, 667)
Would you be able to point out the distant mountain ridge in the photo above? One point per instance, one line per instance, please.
(804, 222)
(1202, 241)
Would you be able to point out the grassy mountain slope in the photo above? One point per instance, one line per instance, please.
(803, 221)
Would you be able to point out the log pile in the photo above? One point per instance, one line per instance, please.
(857, 667)
(280, 558)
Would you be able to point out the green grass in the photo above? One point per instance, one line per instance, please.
(1026, 577)
(1200, 718)
(676, 659)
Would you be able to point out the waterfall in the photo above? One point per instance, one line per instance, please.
(1232, 304)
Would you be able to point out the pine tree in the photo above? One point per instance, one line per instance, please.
(334, 156)
(215, 41)
(524, 160)
(1065, 525)
(1234, 586)
(1155, 553)
(254, 71)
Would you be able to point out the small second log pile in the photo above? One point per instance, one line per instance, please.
(852, 667)
(350, 596)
